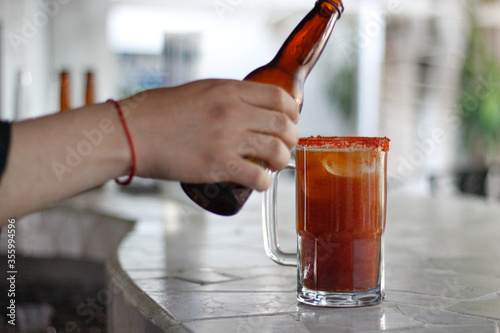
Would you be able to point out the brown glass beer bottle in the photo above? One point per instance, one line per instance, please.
(288, 70)
(89, 88)
(65, 100)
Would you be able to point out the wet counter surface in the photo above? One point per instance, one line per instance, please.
(188, 271)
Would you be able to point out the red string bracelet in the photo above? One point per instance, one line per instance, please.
(133, 168)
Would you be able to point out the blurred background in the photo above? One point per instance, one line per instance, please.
(424, 73)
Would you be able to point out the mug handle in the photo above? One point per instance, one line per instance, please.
(270, 223)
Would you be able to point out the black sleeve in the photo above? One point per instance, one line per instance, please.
(4, 145)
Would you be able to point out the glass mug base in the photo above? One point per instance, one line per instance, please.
(340, 299)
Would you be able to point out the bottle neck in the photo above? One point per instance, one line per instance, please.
(65, 98)
(304, 45)
(89, 90)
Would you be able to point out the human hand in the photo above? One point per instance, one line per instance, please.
(206, 131)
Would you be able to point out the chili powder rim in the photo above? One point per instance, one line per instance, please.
(342, 142)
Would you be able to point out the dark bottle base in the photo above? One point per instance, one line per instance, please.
(220, 198)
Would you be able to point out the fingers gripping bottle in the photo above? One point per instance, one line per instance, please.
(288, 70)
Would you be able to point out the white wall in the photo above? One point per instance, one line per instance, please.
(69, 34)
(26, 44)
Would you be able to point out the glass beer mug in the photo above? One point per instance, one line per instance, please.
(340, 220)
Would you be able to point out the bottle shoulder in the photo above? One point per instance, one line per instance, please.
(276, 75)
(292, 83)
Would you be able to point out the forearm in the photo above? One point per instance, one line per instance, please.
(201, 132)
(70, 153)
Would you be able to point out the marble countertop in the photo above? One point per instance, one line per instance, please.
(191, 271)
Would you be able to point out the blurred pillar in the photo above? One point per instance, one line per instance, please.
(371, 39)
